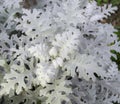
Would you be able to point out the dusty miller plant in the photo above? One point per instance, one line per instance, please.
(57, 52)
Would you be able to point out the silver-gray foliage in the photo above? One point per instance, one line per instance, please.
(57, 52)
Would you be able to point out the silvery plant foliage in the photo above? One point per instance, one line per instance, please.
(57, 52)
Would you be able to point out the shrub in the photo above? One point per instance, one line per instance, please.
(57, 52)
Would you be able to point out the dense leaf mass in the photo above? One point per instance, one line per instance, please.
(57, 52)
